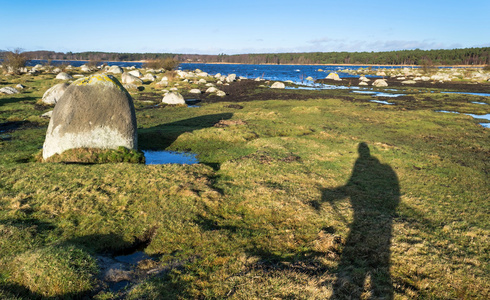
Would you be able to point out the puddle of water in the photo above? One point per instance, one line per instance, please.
(379, 94)
(463, 93)
(482, 103)
(118, 286)
(382, 102)
(133, 259)
(479, 117)
(484, 117)
(169, 157)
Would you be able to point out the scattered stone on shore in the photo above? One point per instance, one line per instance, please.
(136, 73)
(149, 77)
(333, 76)
(85, 68)
(309, 78)
(128, 78)
(94, 112)
(115, 70)
(409, 82)
(64, 76)
(8, 90)
(220, 93)
(173, 97)
(230, 78)
(53, 94)
(212, 90)
(195, 91)
(278, 85)
(363, 83)
(380, 83)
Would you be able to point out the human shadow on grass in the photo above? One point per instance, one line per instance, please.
(374, 193)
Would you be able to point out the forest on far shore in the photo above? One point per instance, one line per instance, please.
(466, 56)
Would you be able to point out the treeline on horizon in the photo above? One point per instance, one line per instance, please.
(466, 56)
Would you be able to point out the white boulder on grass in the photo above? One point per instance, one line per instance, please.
(220, 93)
(195, 91)
(128, 78)
(136, 73)
(8, 90)
(173, 98)
(64, 76)
(115, 70)
(149, 77)
(53, 94)
(278, 85)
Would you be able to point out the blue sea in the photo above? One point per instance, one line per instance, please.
(295, 73)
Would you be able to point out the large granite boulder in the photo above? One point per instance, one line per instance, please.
(53, 94)
(94, 112)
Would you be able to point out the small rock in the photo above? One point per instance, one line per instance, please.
(173, 98)
(64, 76)
(47, 115)
(8, 90)
(115, 70)
(149, 77)
(128, 78)
(212, 90)
(136, 73)
(231, 78)
(195, 91)
(380, 83)
(409, 82)
(20, 86)
(333, 76)
(278, 85)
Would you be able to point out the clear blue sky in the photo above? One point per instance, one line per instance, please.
(254, 26)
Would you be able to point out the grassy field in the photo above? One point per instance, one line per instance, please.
(312, 199)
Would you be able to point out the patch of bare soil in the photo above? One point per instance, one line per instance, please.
(250, 90)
